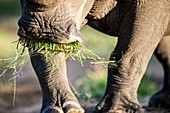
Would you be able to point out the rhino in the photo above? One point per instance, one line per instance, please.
(142, 28)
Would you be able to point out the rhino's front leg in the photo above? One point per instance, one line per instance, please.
(57, 96)
(141, 29)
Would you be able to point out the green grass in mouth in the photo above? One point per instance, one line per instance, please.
(75, 50)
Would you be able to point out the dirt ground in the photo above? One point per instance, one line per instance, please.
(28, 96)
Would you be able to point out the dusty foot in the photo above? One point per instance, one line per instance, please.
(52, 110)
(160, 99)
(68, 107)
(72, 107)
(118, 102)
(62, 103)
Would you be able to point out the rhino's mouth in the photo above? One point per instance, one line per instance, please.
(49, 25)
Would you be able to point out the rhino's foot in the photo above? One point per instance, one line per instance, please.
(128, 108)
(52, 110)
(160, 99)
(119, 103)
(68, 107)
(72, 107)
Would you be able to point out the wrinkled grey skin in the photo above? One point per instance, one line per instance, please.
(142, 27)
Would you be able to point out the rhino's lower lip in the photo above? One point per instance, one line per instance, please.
(21, 33)
(75, 37)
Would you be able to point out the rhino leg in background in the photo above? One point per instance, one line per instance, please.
(138, 37)
(57, 95)
(162, 98)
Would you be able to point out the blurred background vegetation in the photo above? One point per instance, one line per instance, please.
(92, 85)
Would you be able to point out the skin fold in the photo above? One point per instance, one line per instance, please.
(142, 27)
